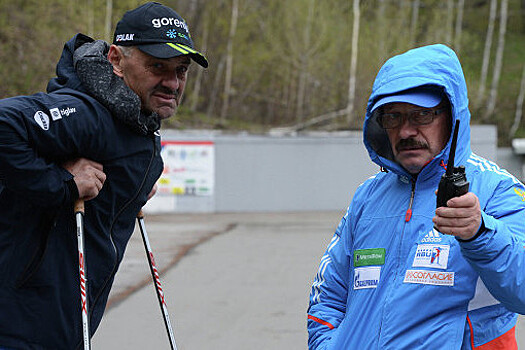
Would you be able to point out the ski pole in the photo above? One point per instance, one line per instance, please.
(156, 280)
(79, 215)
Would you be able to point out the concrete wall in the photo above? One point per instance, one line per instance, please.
(289, 174)
(303, 173)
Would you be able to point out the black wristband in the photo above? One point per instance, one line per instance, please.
(480, 231)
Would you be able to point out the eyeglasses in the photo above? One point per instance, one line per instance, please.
(415, 118)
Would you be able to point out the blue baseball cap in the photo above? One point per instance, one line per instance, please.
(426, 97)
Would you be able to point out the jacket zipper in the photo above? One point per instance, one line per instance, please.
(114, 270)
(408, 216)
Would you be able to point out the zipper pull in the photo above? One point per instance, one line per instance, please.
(408, 214)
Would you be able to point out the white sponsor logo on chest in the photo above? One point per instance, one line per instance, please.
(435, 278)
(366, 277)
(432, 237)
(432, 255)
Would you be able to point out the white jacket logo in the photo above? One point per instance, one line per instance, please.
(57, 114)
(67, 111)
(432, 237)
(432, 255)
(42, 119)
(436, 278)
(366, 277)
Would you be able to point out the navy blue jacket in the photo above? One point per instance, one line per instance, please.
(39, 278)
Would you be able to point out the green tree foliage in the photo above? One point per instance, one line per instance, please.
(284, 52)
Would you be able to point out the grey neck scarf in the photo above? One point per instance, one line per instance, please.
(96, 74)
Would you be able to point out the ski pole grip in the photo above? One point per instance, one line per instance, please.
(79, 206)
(140, 215)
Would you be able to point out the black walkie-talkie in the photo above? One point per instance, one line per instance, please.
(454, 182)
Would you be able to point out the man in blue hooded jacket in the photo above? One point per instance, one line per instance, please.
(400, 273)
(94, 136)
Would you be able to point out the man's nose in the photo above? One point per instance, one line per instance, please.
(171, 81)
(406, 129)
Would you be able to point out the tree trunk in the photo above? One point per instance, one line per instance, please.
(214, 91)
(459, 26)
(229, 61)
(286, 92)
(523, 16)
(192, 12)
(353, 65)
(491, 105)
(486, 52)
(303, 67)
(519, 106)
(108, 24)
(301, 87)
(448, 18)
(198, 77)
(90, 19)
(413, 22)
(383, 35)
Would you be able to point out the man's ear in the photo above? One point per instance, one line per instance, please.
(115, 58)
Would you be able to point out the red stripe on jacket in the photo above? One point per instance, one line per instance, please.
(318, 320)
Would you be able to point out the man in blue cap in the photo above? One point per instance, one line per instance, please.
(380, 284)
(92, 136)
(417, 123)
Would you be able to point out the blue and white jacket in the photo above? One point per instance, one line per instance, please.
(388, 280)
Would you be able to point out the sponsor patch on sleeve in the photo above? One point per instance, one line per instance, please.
(42, 119)
(432, 255)
(366, 277)
(55, 114)
(368, 257)
(435, 278)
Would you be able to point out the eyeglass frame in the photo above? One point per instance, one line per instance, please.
(410, 117)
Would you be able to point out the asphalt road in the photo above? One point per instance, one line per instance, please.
(231, 281)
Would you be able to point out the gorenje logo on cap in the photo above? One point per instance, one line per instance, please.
(165, 21)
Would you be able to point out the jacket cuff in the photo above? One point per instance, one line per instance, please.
(481, 229)
(484, 234)
(72, 191)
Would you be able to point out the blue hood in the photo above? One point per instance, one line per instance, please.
(429, 65)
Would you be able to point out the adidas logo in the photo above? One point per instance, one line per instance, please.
(432, 237)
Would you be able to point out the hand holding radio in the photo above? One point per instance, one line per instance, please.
(461, 217)
(454, 182)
